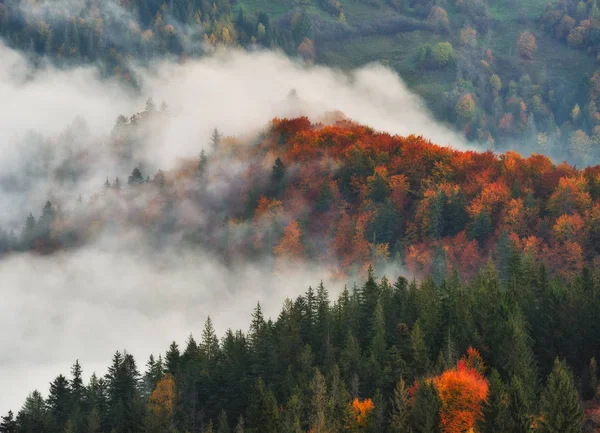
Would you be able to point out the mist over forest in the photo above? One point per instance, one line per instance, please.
(304, 216)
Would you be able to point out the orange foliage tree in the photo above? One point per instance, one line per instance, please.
(360, 410)
(462, 391)
(161, 404)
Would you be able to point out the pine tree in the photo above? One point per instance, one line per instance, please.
(278, 170)
(77, 387)
(263, 413)
(136, 177)
(31, 417)
(202, 163)
(292, 415)
(94, 424)
(559, 403)
(420, 356)
(239, 427)
(400, 414)
(59, 400)
(426, 410)
(321, 406)
(117, 184)
(210, 342)
(106, 184)
(223, 423)
(215, 139)
(8, 423)
(496, 407)
(519, 407)
(172, 358)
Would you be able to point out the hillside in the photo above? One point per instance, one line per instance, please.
(339, 194)
(509, 75)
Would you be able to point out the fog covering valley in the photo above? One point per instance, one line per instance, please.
(116, 291)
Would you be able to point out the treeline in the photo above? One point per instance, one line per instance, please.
(395, 357)
(341, 195)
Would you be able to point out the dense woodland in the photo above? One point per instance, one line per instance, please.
(340, 194)
(492, 75)
(497, 334)
(386, 356)
(494, 327)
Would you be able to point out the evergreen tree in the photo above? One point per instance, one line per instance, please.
(215, 139)
(263, 413)
(278, 170)
(496, 407)
(426, 409)
(136, 177)
(400, 414)
(560, 404)
(519, 407)
(94, 423)
(210, 342)
(420, 356)
(77, 387)
(202, 163)
(31, 417)
(59, 400)
(239, 427)
(223, 423)
(8, 424)
(172, 358)
(321, 406)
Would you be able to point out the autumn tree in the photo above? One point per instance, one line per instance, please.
(161, 405)
(465, 108)
(462, 392)
(306, 50)
(526, 44)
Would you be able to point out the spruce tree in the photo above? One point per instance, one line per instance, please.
(136, 177)
(59, 400)
(172, 359)
(425, 415)
(223, 423)
(278, 171)
(560, 403)
(400, 413)
(496, 407)
(8, 424)
(420, 356)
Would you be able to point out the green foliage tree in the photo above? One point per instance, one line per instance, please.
(560, 403)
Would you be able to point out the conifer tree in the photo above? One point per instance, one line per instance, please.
(172, 358)
(278, 170)
(496, 407)
(400, 413)
(223, 423)
(8, 424)
(560, 403)
(135, 178)
(420, 356)
(59, 400)
(215, 139)
(210, 342)
(320, 406)
(426, 410)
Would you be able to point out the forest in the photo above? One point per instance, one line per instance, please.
(491, 325)
(493, 332)
(385, 356)
(340, 194)
(508, 75)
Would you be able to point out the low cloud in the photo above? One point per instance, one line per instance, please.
(112, 295)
